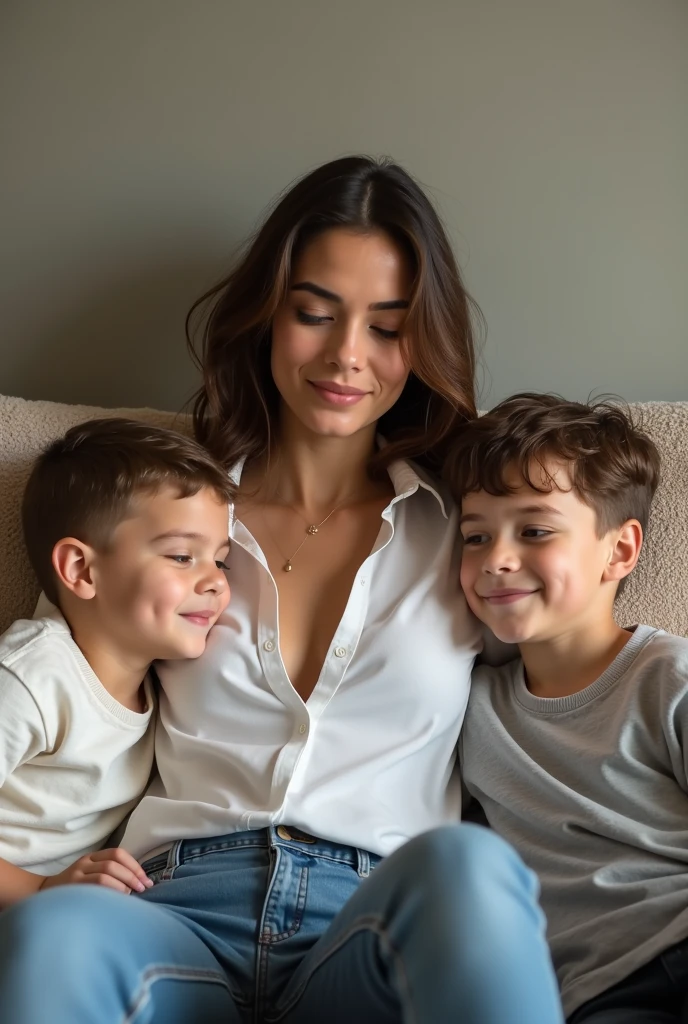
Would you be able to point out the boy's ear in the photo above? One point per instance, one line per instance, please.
(627, 542)
(72, 562)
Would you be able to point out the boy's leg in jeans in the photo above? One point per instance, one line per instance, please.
(446, 929)
(648, 996)
(87, 955)
(627, 1015)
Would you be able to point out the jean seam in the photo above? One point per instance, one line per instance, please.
(262, 948)
(351, 861)
(362, 924)
(298, 914)
(222, 847)
(161, 973)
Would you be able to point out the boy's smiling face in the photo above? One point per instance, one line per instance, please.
(533, 566)
(160, 586)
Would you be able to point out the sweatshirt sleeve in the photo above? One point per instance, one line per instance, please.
(674, 698)
(22, 730)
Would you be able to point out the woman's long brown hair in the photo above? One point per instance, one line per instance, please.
(235, 411)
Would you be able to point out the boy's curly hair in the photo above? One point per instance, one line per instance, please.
(614, 466)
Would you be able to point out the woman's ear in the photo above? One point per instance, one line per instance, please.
(72, 561)
(625, 551)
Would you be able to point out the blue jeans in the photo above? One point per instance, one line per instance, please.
(275, 926)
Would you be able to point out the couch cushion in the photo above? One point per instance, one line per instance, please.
(656, 593)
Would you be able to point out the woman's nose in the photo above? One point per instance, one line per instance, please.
(347, 346)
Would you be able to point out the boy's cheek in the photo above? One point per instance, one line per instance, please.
(466, 578)
(477, 607)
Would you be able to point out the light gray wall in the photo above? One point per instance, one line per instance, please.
(142, 138)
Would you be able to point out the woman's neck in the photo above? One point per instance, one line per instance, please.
(314, 473)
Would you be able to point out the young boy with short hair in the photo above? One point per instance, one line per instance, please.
(126, 527)
(578, 751)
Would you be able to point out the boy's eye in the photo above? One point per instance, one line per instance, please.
(536, 533)
(221, 565)
(181, 559)
(475, 538)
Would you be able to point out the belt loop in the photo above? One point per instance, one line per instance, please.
(172, 860)
(363, 863)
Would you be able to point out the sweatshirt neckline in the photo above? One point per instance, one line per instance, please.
(640, 637)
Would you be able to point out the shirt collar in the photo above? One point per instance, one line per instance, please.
(406, 479)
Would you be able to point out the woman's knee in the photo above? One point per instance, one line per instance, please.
(462, 850)
(59, 923)
(465, 868)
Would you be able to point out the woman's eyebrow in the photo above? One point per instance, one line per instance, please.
(323, 293)
(308, 286)
(392, 304)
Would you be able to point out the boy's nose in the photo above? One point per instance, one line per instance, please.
(500, 559)
(215, 580)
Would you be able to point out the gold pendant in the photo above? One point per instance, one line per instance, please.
(312, 529)
(287, 566)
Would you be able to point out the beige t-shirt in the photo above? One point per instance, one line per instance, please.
(73, 760)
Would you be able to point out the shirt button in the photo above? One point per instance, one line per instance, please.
(340, 652)
(302, 729)
(269, 645)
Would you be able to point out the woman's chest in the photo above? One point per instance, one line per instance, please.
(314, 572)
(389, 630)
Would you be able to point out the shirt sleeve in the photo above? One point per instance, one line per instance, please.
(676, 733)
(22, 731)
(668, 690)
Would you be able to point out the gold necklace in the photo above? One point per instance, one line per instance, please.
(311, 530)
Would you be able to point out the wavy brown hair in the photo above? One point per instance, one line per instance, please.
(614, 467)
(236, 408)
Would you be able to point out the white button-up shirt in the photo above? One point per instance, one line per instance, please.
(368, 759)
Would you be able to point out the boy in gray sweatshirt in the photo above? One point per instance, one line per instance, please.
(578, 751)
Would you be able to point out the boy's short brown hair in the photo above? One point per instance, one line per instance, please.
(614, 466)
(83, 485)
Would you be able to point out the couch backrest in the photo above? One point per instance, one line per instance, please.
(25, 429)
(656, 593)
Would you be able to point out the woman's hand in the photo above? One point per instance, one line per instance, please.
(113, 868)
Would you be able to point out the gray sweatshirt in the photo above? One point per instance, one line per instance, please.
(592, 790)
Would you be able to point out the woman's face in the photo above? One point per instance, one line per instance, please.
(336, 354)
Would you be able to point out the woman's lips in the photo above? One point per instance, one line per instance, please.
(337, 394)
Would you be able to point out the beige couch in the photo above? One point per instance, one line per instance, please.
(657, 592)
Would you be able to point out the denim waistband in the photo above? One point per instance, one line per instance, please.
(287, 836)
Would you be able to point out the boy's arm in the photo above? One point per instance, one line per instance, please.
(23, 737)
(670, 685)
(22, 729)
(16, 884)
(115, 869)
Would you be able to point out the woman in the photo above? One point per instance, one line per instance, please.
(317, 733)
